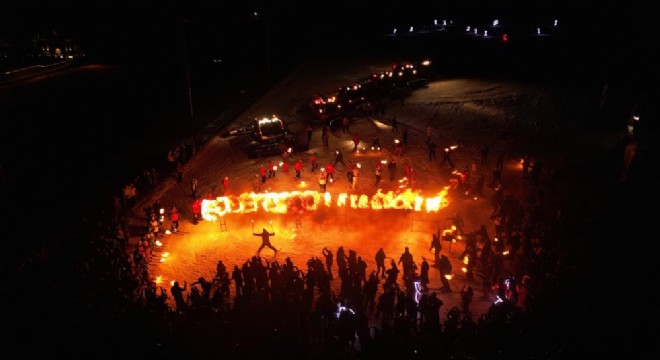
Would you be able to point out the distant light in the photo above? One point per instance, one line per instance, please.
(444, 22)
(475, 31)
(467, 28)
(485, 32)
(435, 22)
(538, 31)
(496, 22)
(426, 62)
(505, 37)
(394, 32)
(411, 29)
(556, 22)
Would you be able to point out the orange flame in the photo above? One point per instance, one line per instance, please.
(303, 201)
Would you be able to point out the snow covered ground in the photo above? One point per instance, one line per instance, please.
(515, 118)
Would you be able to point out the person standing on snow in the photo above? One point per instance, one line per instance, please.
(225, 185)
(356, 142)
(197, 211)
(431, 148)
(271, 169)
(447, 158)
(345, 123)
(377, 173)
(314, 162)
(356, 173)
(424, 274)
(265, 240)
(193, 187)
(309, 130)
(174, 218)
(339, 158)
(322, 180)
(325, 136)
(329, 258)
(391, 168)
(436, 246)
(380, 262)
(177, 294)
(330, 169)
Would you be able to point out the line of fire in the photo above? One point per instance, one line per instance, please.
(299, 202)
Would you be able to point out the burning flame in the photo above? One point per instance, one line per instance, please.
(448, 276)
(302, 201)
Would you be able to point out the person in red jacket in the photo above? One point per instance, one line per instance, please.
(262, 172)
(314, 162)
(298, 167)
(356, 142)
(330, 169)
(197, 210)
(225, 185)
(174, 218)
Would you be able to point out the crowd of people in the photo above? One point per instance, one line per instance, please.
(526, 267)
(263, 307)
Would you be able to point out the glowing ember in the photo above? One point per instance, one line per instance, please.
(505, 252)
(448, 276)
(466, 260)
(158, 243)
(159, 279)
(464, 269)
(303, 201)
(167, 232)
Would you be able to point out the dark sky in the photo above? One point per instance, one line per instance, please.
(617, 29)
(107, 17)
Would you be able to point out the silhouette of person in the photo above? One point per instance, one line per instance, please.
(177, 294)
(466, 298)
(380, 262)
(329, 259)
(265, 240)
(436, 246)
